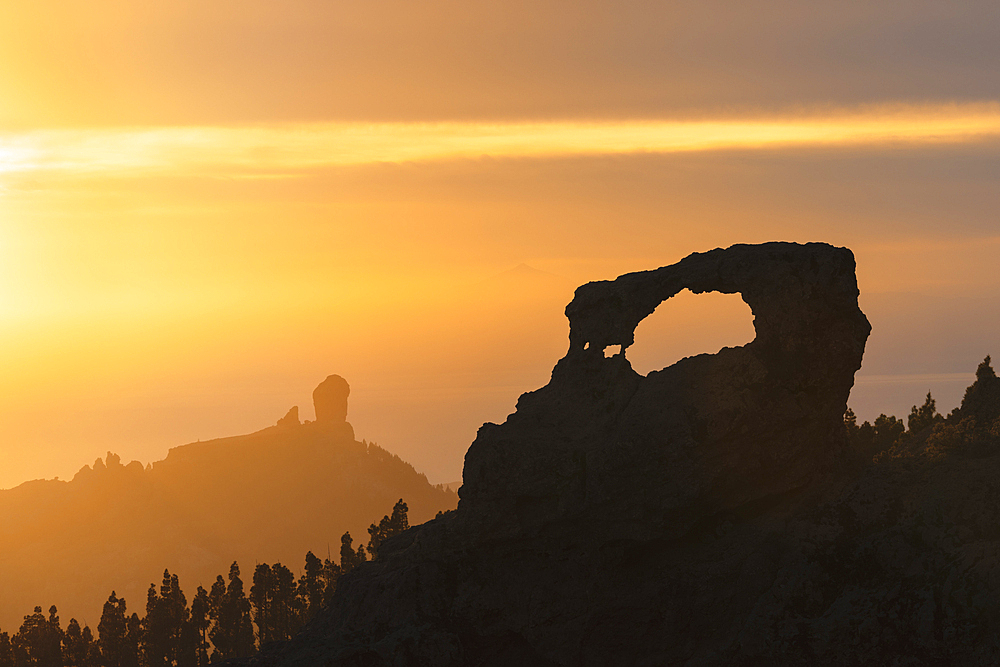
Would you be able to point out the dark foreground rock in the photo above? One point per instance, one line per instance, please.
(706, 514)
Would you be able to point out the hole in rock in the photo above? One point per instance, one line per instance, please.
(689, 324)
(612, 350)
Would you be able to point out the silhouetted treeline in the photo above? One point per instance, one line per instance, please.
(225, 622)
(972, 429)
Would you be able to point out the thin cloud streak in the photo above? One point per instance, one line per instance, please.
(964, 378)
(287, 148)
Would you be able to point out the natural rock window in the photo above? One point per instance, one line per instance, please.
(689, 324)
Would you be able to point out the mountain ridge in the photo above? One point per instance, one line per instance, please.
(266, 496)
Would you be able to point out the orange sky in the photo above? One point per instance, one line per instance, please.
(206, 208)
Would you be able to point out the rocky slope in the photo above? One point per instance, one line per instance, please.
(711, 513)
(264, 497)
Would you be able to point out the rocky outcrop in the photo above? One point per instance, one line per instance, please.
(580, 537)
(651, 457)
(291, 418)
(330, 400)
(268, 496)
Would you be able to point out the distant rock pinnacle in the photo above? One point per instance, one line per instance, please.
(291, 418)
(330, 400)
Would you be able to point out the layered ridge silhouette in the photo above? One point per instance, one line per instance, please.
(268, 496)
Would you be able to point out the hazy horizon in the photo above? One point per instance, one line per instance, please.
(207, 209)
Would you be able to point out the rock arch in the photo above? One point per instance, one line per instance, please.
(702, 436)
(569, 539)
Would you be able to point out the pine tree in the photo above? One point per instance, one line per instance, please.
(274, 601)
(154, 640)
(52, 641)
(285, 602)
(166, 616)
(982, 398)
(262, 601)
(72, 640)
(187, 649)
(232, 634)
(331, 574)
(78, 646)
(387, 527)
(850, 422)
(93, 656)
(311, 588)
(198, 628)
(39, 641)
(131, 652)
(19, 651)
(244, 639)
(6, 651)
(219, 634)
(349, 558)
(111, 632)
(347, 555)
(923, 417)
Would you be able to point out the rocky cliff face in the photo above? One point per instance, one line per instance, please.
(622, 519)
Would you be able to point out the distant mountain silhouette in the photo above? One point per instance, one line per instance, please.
(524, 277)
(264, 497)
(521, 271)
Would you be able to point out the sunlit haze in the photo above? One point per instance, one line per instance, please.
(207, 208)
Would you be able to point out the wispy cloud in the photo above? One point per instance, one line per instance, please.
(274, 150)
(919, 378)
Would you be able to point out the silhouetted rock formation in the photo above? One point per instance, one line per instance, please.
(709, 433)
(330, 400)
(291, 418)
(264, 497)
(587, 531)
